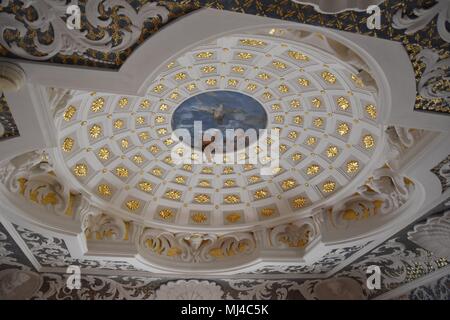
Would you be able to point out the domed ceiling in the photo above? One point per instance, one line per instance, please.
(93, 180)
(118, 148)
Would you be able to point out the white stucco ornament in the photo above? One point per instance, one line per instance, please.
(12, 77)
(189, 290)
(337, 6)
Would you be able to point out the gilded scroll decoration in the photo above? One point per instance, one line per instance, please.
(105, 227)
(31, 176)
(384, 193)
(298, 234)
(196, 248)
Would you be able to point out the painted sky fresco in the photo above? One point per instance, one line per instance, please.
(220, 110)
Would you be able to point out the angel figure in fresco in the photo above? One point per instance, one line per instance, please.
(218, 113)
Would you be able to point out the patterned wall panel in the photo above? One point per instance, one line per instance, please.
(401, 262)
(8, 127)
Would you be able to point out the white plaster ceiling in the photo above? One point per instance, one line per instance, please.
(117, 147)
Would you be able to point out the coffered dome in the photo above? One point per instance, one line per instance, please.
(118, 148)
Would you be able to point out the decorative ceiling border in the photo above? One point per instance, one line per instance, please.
(113, 32)
(109, 30)
(402, 263)
(419, 25)
(8, 125)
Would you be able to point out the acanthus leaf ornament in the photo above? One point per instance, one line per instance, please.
(298, 234)
(31, 175)
(400, 140)
(384, 193)
(423, 17)
(100, 226)
(433, 235)
(196, 248)
(435, 79)
(68, 41)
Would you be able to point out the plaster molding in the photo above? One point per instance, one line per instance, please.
(337, 6)
(12, 77)
(433, 235)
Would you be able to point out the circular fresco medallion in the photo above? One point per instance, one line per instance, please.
(220, 110)
(120, 148)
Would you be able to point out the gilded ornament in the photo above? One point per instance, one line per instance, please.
(352, 166)
(67, 144)
(122, 172)
(260, 194)
(283, 88)
(208, 69)
(104, 189)
(204, 55)
(145, 186)
(295, 104)
(173, 194)
(329, 77)
(233, 217)
(95, 131)
(303, 82)
(343, 128)
(368, 141)
(316, 102)
(332, 151)
(232, 199)
(299, 202)
(69, 113)
(252, 43)
(343, 103)
(371, 110)
(244, 55)
(279, 65)
(297, 55)
(97, 105)
(133, 205)
(328, 186)
(123, 102)
(80, 170)
(202, 198)
(288, 184)
(145, 104)
(267, 212)
(199, 217)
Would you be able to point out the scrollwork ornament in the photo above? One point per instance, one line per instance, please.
(422, 17)
(31, 175)
(436, 71)
(196, 248)
(50, 15)
(433, 235)
(400, 140)
(294, 235)
(384, 193)
(102, 226)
